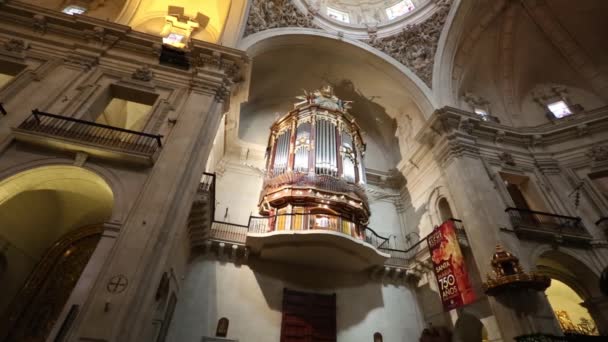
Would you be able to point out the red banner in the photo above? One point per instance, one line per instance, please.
(451, 273)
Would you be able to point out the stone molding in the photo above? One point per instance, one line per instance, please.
(452, 132)
(414, 46)
(215, 68)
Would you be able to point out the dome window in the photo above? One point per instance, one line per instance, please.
(73, 9)
(560, 109)
(399, 9)
(338, 15)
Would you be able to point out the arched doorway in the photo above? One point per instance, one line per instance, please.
(51, 219)
(566, 304)
(469, 328)
(574, 293)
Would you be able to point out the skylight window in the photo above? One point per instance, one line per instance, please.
(338, 15)
(174, 39)
(483, 113)
(399, 9)
(73, 9)
(560, 109)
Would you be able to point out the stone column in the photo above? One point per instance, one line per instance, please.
(121, 305)
(482, 212)
(598, 309)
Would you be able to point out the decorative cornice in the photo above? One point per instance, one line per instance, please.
(452, 132)
(269, 14)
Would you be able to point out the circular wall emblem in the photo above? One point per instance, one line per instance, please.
(117, 284)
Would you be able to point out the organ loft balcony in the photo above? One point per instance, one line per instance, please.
(313, 206)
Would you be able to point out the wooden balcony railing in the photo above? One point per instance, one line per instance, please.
(326, 222)
(82, 131)
(531, 223)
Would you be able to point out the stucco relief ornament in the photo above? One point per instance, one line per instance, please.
(143, 74)
(268, 14)
(324, 98)
(598, 153)
(15, 45)
(416, 45)
(39, 24)
(507, 158)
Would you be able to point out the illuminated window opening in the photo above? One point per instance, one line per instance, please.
(73, 9)
(399, 9)
(174, 39)
(559, 109)
(572, 317)
(481, 112)
(338, 15)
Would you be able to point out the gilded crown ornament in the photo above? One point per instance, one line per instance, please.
(508, 275)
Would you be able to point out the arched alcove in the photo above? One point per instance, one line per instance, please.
(388, 100)
(577, 285)
(50, 221)
(469, 328)
(445, 211)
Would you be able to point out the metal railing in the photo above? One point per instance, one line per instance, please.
(328, 222)
(92, 132)
(548, 222)
(229, 232)
(401, 257)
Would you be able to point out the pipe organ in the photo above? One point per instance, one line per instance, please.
(315, 167)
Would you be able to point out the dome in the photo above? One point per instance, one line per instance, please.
(368, 12)
(357, 18)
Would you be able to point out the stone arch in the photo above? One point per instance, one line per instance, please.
(265, 40)
(483, 45)
(71, 205)
(434, 201)
(120, 208)
(468, 328)
(579, 275)
(568, 268)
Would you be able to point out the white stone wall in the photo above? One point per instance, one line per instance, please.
(238, 189)
(252, 302)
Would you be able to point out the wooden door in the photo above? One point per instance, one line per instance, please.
(308, 317)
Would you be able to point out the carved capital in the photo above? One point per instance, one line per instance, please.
(143, 73)
(598, 153)
(15, 45)
(39, 23)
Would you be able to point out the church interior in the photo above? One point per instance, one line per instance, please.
(303, 170)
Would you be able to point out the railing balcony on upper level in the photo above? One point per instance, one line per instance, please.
(540, 225)
(318, 240)
(401, 257)
(97, 140)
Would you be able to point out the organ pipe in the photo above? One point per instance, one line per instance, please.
(317, 145)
